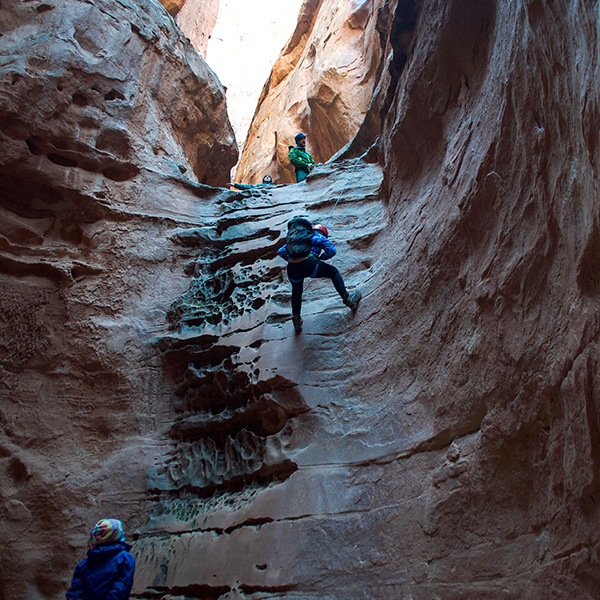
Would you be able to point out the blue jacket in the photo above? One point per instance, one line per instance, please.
(319, 244)
(106, 574)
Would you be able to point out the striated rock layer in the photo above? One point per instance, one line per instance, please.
(322, 84)
(108, 118)
(256, 467)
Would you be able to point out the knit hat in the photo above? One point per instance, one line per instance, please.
(106, 531)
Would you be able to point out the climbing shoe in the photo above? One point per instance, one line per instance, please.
(352, 300)
(297, 321)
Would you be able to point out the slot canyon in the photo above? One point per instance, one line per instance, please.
(440, 443)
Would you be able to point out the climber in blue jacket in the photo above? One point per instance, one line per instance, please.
(305, 251)
(107, 571)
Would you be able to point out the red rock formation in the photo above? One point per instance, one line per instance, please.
(441, 442)
(103, 107)
(173, 6)
(322, 84)
(197, 19)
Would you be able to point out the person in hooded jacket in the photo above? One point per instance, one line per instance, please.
(107, 571)
(306, 259)
(300, 158)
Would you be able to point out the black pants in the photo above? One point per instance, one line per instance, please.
(312, 267)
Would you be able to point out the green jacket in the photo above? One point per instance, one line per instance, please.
(300, 158)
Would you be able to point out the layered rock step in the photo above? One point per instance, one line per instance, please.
(246, 401)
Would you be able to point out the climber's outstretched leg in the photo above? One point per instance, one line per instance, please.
(326, 270)
(314, 268)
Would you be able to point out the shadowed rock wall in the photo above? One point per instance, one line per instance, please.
(444, 441)
(492, 187)
(106, 117)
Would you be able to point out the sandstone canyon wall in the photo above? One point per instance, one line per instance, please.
(240, 40)
(322, 84)
(441, 442)
(108, 118)
(196, 18)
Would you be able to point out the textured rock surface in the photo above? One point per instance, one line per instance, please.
(107, 105)
(197, 19)
(442, 442)
(102, 108)
(321, 84)
(256, 472)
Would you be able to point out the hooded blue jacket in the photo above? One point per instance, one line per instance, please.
(106, 574)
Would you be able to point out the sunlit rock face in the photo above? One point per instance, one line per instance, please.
(443, 441)
(197, 19)
(322, 84)
(108, 118)
(244, 45)
(240, 40)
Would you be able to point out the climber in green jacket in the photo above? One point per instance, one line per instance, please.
(303, 162)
